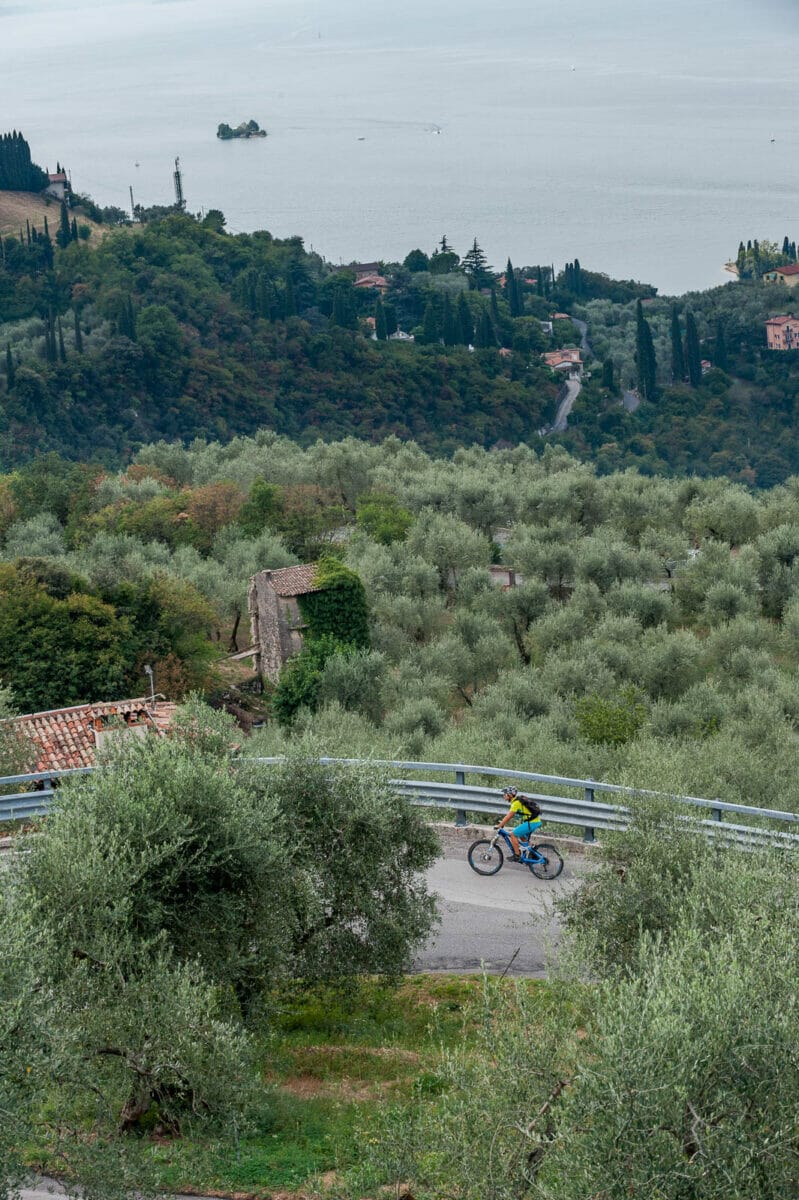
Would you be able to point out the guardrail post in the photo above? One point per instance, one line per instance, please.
(588, 832)
(716, 814)
(460, 813)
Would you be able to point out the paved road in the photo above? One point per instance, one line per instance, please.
(485, 921)
(573, 387)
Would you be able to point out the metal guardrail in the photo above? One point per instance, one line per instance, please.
(582, 811)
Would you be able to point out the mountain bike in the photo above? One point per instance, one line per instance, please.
(486, 856)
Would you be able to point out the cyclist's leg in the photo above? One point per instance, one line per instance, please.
(520, 831)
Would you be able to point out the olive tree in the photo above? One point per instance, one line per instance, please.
(142, 928)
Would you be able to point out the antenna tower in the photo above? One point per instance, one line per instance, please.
(180, 203)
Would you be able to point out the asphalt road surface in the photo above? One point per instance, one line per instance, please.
(485, 921)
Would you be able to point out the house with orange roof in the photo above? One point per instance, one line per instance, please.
(68, 738)
(787, 276)
(378, 282)
(564, 360)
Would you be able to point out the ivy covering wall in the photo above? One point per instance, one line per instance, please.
(339, 608)
(337, 622)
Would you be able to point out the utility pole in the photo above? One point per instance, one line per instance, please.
(132, 205)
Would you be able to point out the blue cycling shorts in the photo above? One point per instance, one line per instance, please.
(527, 828)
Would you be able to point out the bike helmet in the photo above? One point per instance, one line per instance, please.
(510, 791)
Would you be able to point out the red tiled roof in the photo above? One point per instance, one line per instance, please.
(779, 321)
(793, 269)
(371, 281)
(65, 737)
(59, 177)
(294, 581)
(558, 358)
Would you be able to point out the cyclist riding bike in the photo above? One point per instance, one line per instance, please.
(528, 810)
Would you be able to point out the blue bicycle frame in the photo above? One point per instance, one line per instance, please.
(529, 854)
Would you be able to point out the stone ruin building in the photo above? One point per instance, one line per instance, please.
(276, 622)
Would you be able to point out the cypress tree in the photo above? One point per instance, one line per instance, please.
(73, 230)
(578, 278)
(344, 307)
(646, 362)
(495, 317)
(28, 227)
(450, 324)
(485, 335)
(465, 322)
(512, 293)
(64, 235)
(786, 246)
(62, 350)
(10, 372)
(607, 374)
(391, 319)
(677, 356)
(381, 332)
(720, 355)
(693, 353)
(431, 331)
(78, 334)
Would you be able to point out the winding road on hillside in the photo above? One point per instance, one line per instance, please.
(574, 384)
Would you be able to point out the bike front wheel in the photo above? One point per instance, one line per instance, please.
(485, 857)
(552, 863)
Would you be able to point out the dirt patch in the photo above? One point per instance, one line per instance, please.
(351, 1091)
(18, 207)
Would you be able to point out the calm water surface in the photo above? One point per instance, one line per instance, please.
(633, 134)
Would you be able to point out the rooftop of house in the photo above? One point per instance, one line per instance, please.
(376, 281)
(294, 581)
(775, 322)
(557, 358)
(58, 177)
(68, 737)
(792, 269)
(371, 268)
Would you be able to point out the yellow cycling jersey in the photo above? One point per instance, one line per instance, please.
(518, 806)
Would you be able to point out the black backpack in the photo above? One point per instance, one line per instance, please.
(531, 806)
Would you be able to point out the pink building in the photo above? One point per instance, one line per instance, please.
(782, 333)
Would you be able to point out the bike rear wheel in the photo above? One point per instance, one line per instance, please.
(552, 865)
(485, 857)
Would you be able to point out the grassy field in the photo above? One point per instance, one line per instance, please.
(332, 1060)
(18, 207)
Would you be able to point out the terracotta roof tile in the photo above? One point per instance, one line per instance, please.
(66, 736)
(294, 581)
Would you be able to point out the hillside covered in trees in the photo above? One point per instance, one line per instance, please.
(176, 329)
(651, 637)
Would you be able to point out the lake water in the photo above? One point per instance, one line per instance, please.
(635, 135)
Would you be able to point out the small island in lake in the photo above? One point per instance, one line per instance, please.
(247, 129)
